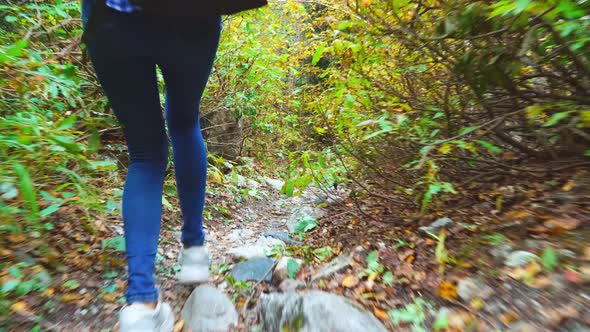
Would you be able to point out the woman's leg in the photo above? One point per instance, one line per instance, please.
(185, 74)
(130, 83)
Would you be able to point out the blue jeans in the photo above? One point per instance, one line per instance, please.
(125, 50)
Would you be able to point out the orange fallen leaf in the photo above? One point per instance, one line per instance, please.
(565, 223)
(447, 290)
(350, 281)
(110, 297)
(381, 314)
(16, 238)
(509, 317)
(410, 259)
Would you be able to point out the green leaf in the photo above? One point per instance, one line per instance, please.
(442, 320)
(387, 278)
(27, 188)
(322, 253)
(318, 54)
(116, 243)
(549, 259)
(50, 209)
(491, 147)
(292, 268)
(305, 225)
(67, 123)
(555, 118)
(71, 284)
(10, 286)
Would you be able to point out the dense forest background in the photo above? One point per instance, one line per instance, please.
(408, 103)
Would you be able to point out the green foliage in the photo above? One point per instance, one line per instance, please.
(306, 224)
(49, 121)
(116, 243)
(292, 268)
(413, 314)
(549, 259)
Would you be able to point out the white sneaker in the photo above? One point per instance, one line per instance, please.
(194, 265)
(138, 317)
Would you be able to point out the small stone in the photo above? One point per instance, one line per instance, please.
(334, 266)
(239, 235)
(248, 252)
(283, 236)
(269, 242)
(255, 269)
(291, 285)
(566, 253)
(469, 289)
(209, 310)
(500, 252)
(275, 183)
(437, 226)
(281, 271)
(519, 258)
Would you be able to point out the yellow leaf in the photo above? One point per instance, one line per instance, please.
(568, 186)
(70, 297)
(350, 281)
(19, 307)
(373, 276)
(447, 290)
(178, 327)
(445, 148)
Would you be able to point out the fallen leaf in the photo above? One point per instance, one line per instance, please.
(16, 238)
(381, 314)
(110, 297)
(350, 281)
(447, 290)
(568, 186)
(477, 304)
(565, 223)
(572, 276)
(70, 297)
(542, 282)
(20, 307)
(509, 317)
(587, 254)
(179, 326)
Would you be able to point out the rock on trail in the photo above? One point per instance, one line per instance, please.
(209, 310)
(315, 311)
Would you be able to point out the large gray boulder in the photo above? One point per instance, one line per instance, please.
(209, 310)
(315, 311)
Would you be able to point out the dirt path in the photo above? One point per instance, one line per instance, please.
(395, 272)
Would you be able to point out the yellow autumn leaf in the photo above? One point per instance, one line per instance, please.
(19, 307)
(445, 148)
(350, 281)
(447, 290)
